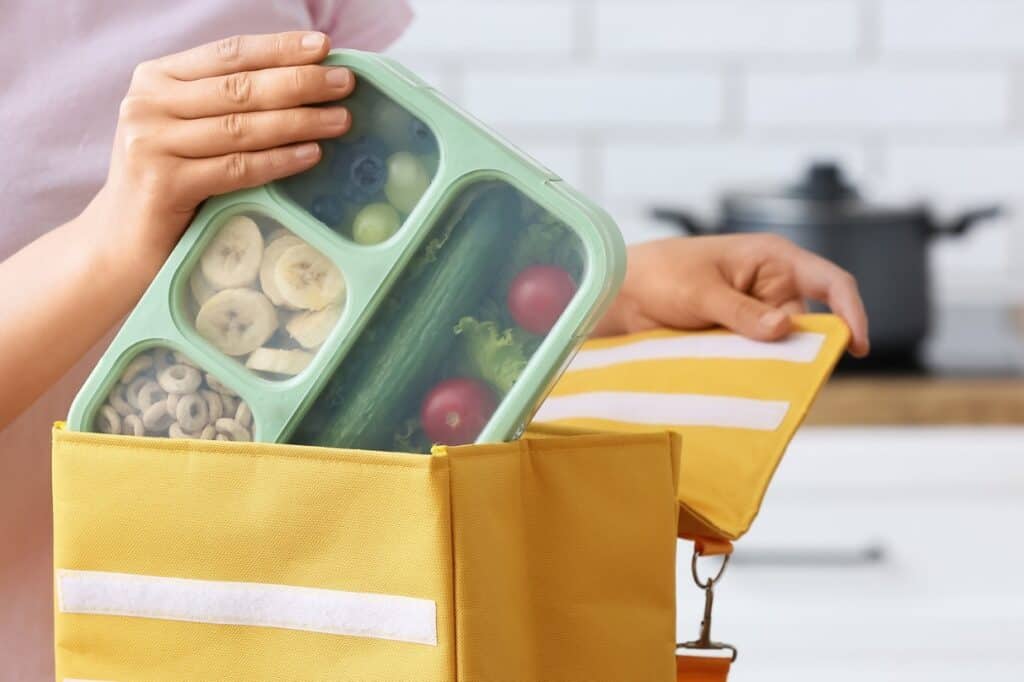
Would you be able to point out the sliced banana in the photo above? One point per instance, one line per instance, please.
(310, 329)
(237, 321)
(307, 279)
(271, 255)
(279, 232)
(201, 289)
(233, 258)
(278, 361)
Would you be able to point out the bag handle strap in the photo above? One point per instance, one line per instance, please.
(702, 669)
(691, 668)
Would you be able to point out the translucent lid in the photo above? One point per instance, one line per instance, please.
(424, 283)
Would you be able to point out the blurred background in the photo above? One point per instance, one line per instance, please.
(888, 546)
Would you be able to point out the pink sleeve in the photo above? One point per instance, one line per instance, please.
(361, 24)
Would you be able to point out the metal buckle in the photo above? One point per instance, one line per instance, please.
(704, 642)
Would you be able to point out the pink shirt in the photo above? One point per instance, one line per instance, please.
(64, 66)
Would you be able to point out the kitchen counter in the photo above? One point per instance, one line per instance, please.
(912, 400)
(881, 553)
(971, 373)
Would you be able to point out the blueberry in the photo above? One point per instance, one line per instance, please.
(422, 138)
(328, 209)
(367, 176)
(361, 170)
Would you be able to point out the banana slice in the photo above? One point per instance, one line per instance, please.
(233, 258)
(237, 321)
(310, 329)
(201, 289)
(271, 255)
(307, 279)
(278, 361)
(279, 232)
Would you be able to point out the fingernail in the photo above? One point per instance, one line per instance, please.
(338, 77)
(333, 116)
(305, 152)
(772, 319)
(312, 41)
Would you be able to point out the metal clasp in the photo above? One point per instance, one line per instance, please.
(704, 641)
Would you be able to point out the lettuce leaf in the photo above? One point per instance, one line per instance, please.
(543, 243)
(489, 353)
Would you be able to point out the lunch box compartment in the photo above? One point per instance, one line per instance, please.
(162, 392)
(261, 294)
(372, 177)
(493, 262)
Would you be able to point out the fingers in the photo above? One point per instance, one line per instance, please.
(277, 88)
(246, 53)
(254, 131)
(220, 174)
(825, 281)
(745, 315)
(794, 306)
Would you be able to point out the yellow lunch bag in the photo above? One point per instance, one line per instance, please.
(549, 558)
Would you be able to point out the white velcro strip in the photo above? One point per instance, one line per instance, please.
(798, 347)
(359, 614)
(673, 409)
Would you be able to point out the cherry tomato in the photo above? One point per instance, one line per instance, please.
(456, 410)
(538, 295)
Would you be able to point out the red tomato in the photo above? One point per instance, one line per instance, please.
(456, 410)
(538, 295)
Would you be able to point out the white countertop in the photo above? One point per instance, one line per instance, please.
(945, 506)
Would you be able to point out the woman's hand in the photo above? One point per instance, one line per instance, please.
(221, 117)
(748, 283)
(213, 119)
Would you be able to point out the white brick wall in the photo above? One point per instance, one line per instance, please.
(726, 27)
(879, 98)
(669, 101)
(938, 27)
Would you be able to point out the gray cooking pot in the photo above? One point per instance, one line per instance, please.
(885, 248)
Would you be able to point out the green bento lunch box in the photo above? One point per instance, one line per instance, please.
(425, 282)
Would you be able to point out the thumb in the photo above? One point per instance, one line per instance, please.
(745, 315)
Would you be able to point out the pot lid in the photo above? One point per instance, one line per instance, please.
(823, 195)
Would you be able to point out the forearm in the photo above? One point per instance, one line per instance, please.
(60, 294)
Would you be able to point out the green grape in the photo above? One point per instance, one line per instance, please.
(389, 121)
(375, 223)
(407, 181)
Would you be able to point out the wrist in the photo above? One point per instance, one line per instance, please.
(128, 238)
(105, 236)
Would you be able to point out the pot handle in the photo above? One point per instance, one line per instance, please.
(687, 221)
(965, 221)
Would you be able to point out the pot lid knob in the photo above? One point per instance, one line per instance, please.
(823, 181)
